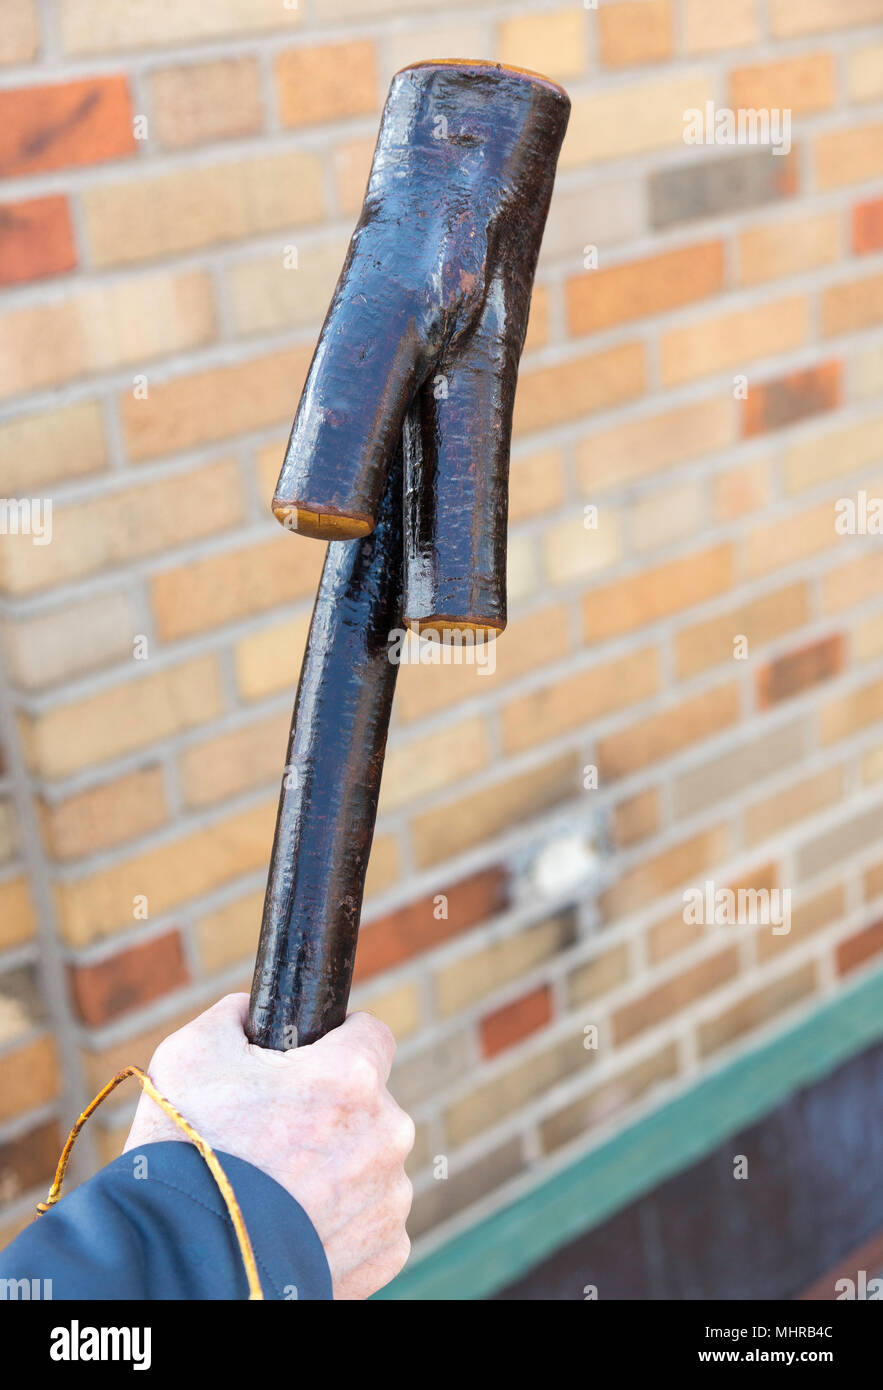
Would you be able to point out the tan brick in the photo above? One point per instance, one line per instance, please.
(650, 444)
(459, 825)
(636, 818)
(231, 933)
(571, 550)
(655, 594)
(531, 642)
(51, 447)
(327, 82)
(635, 32)
(124, 718)
(664, 734)
(850, 837)
(125, 525)
(200, 102)
(422, 766)
(635, 119)
(197, 409)
(266, 295)
(868, 638)
(655, 877)
(514, 1089)
(756, 1009)
(830, 454)
(733, 339)
(18, 922)
(452, 39)
(270, 660)
(522, 574)
(141, 219)
(848, 156)
(465, 1185)
(866, 72)
(68, 641)
(851, 583)
(223, 588)
(805, 83)
(352, 165)
(106, 815)
(661, 518)
(384, 866)
(850, 307)
(761, 620)
(737, 491)
(569, 702)
(91, 26)
(816, 16)
(92, 907)
(539, 324)
(789, 539)
(710, 27)
(20, 33)
(398, 1008)
(867, 373)
(233, 762)
(598, 299)
(673, 934)
(607, 215)
(849, 713)
(621, 1091)
(553, 395)
(470, 977)
(598, 976)
(773, 250)
(536, 484)
(739, 769)
(552, 42)
(873, 882)
(806, 919)
(29, 1077)
(9, 845)
(674, 995)
(103, 328)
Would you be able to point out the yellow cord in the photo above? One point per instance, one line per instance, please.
(245, 1248)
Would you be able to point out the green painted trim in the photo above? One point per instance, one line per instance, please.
(506, 1244)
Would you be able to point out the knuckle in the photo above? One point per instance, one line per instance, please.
(400, 1252)
(363, 1076)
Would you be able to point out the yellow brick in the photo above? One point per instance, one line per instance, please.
(598, 299)
(553, 42)
(473, 976)
(848, 156)
(787, 248)
(572, 550)
(539, 323)
(756, 1009)
(806, 83)
(197, 409)
(866, 73)
(107, 815)
(425, 765)
(522, 578)
(710, 26)
(29, 1078)
(266, 295)
(398, 1008)
(270, 660)
(17, 920)
(478, 817)
(384, 866)
(632, 120)
(231, 933)
(773, 814)
(51, 447)
(19, 34)
(553, 395)
(140, 219)
(662, 735)
(223, 588)
(514, 1089)
(654, 594)
(831, 454)
(569, 702)
(103, 328)
(637, 817)
(867, 373)
(816, 16)
(667, 516)
(850, 713)
(621, 1091)
(93, 907)
(806, 919)
(648, 445)
(872, 765)
(853, 306)
(761, 620)
(733, 339)
(69, 640)
(234, 762)
(851, 583)
(658, 876)
(789, 539)
(352, 165)
(536, 484)
(124, 525)
(124, 718)
(868, 641)
(637, 31)
(198, 102)
(598, 976)
(92, 26)
(737, 491)
(327, 82)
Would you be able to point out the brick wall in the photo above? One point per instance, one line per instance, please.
(711, 386)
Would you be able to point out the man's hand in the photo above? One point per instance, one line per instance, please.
(318, 1119)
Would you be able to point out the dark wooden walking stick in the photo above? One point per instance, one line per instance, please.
(399, 455)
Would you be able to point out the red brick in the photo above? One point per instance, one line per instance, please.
(29, 1160)
(795, 672)
(867, 227)
(388, 941)
(36, 239)
(513, 1022)
(773, 405)
(64, 124)
(857, 950)
(128, 980)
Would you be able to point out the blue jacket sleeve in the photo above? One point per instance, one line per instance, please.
(153, 1225)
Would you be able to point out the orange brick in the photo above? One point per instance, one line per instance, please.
(867, 227)
(675, 995)
(511, 1024)
(851, 583)
(20, 34)
(128, 980)
(855, 305)
(866, 72)
(234, 762)
(327, 83)
(18, 922)
(643, 447)
(104, 816)
(850, 713)
(756, 1009)
(638, 31)
(662, 735)
(860, 948)
(655, 594)
(553, 395)
(848, 156)
(599, 298)
(738, 491)
(798, 671)
(773, 250)
(29, 1078)
(733, 339)
(63, 124)
(536, 484)
(802, 84)
(710, 643)
(569, 702)
(199, 102)
(827, 454)
(636, 818)
(815, 16)
(552, 42)
(710, 26)
(36, 240)
(806, 920)
(773, 405)
(791, 538)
